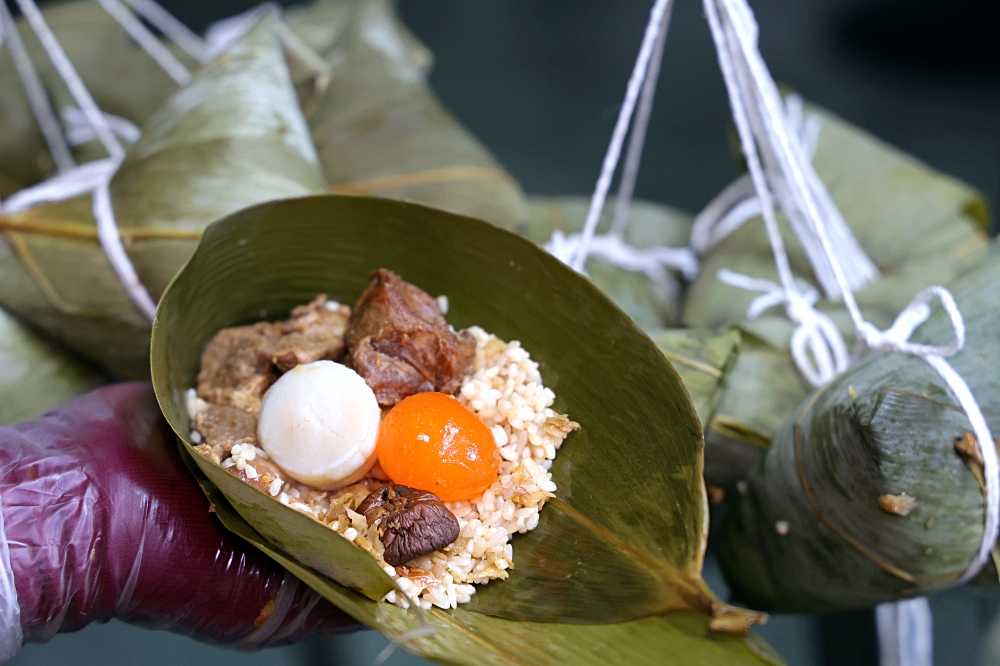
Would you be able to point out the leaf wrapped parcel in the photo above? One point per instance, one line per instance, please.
(920, 227)
(233, 137)
(863, 496)
(380, 130)
(624, 538)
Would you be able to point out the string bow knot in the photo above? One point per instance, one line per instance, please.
(816, 345)
(897, 336)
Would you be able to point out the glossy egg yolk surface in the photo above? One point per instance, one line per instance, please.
(433, 442)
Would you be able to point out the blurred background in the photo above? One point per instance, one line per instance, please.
(540, 84)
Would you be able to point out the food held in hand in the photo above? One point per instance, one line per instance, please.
(319, 423)
(463, 453)
(433, 442)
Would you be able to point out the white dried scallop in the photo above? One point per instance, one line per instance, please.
(319, 422)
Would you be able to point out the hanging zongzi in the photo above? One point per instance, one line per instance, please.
(873, 481)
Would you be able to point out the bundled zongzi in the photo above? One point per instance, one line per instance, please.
(233, 137)
(869, 492)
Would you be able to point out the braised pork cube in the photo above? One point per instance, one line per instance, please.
(222, 427)
(400, 343)
(236, 366)
(315, 332)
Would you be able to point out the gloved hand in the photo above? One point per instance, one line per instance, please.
(103, 520)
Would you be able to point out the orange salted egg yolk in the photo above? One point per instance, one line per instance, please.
(433, 442)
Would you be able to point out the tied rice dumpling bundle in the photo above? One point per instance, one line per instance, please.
(267, 119)
(233, 137)
(123, 79)
(873, 490)
(458, 464)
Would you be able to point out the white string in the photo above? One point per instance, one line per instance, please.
(654, 262)
(69, 76)
(816, 345)
(79, 131)
(737, 204)
(142, 36)
(610, 163)
(77, 182)
(171, 28)
(111, 242)
(713, 223)
(905, 633)
(633, 156)
(38, 99)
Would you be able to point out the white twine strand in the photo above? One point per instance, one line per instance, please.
(171, 28)
(142, 36)
(905, 633)
(633, 156)
(816, 344)
(610, 163)
(34, 90)
(79, 131)
(737, 204)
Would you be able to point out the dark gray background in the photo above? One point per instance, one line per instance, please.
(540, 82)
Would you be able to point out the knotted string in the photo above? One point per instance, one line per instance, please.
(653, 262)
(816, 345)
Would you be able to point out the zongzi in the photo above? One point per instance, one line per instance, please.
(871, 477)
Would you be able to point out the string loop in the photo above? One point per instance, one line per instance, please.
(816, 345)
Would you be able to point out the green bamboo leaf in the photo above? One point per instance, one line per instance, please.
(625, 536)
(649, 224)
(380, 130)
(703, 359)
(233, 137)
(37, 375)
(123, 79)
(887, 426)
(761, 387)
